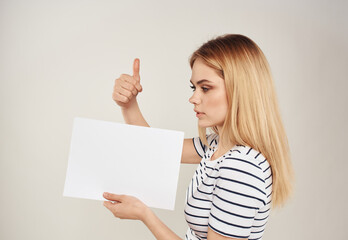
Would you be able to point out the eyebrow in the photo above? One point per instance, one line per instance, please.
(202, 81)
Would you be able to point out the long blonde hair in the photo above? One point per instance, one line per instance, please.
(253, 117)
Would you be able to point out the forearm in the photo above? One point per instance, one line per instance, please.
(157, 227)
(132, 115)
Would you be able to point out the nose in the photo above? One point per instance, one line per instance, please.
(194, 99)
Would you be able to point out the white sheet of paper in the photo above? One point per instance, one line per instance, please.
(123, 159)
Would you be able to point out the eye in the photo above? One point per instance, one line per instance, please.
(193, 88)
(205, 89)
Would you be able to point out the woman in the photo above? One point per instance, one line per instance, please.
(244, 165)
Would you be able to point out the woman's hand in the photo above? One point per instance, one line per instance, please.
(128, 207)
(127, 87)
(125, 207)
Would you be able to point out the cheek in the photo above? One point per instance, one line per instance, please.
(218, 106)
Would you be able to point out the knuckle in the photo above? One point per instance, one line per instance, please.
(131, 80)
(117, 84)
(127, 86)
(120, 99)
(115, 97)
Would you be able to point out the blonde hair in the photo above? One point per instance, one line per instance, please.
(253, 116)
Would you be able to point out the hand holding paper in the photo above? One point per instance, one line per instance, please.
(124, 206)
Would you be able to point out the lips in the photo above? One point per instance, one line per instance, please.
(199, 114)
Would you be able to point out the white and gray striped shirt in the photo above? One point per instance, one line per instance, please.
(231, 194)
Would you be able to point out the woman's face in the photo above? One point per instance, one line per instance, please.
(209, 95)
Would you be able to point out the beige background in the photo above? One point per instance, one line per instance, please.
(59, 59)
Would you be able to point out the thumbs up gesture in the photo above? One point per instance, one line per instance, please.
(127, 87)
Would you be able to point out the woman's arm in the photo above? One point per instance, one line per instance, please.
(128, 207)
(132, 115)
(157, 227)
(189, 153)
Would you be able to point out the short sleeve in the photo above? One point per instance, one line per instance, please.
(200, 147)
(237, 197)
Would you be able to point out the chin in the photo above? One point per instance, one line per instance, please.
(204, 124)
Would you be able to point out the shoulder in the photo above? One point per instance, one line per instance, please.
(245, 157)
(245, 169)
(212, 140)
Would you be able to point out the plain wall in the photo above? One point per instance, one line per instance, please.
(59, 60)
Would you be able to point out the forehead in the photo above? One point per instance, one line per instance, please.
(202, 71)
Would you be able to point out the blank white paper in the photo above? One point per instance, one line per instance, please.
(123, 159)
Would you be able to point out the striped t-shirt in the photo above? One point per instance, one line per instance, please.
(231, 194)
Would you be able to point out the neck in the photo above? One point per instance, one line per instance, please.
(219, 128)
(226, 145)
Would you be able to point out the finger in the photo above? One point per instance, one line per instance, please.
(129, 87)
(108, 205)
(124, 92)
(139, 87)
(113, 197)
(111, 207)
(120, 98)
(136, 69)
(126, 85)
(131, 80)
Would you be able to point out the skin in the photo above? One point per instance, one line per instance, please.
(209, 100)
(209, 96)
